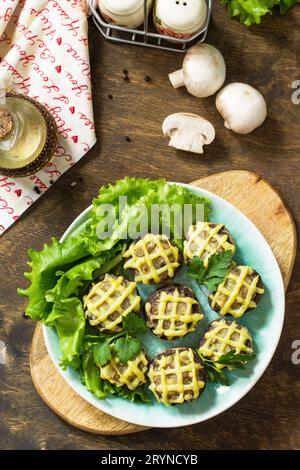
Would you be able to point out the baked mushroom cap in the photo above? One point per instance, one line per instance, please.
(172, 312)
(153, 258)
(238, 293)
(132, 374)
(206, 238)
(223, 336)
(177, 375)
(109, 301)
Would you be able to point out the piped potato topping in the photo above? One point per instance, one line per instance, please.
(153, 258)
(239, 292)
(223, 336)
(172, 312)
(109, 301)
(132, 374)
(177, 375)
(205, 239)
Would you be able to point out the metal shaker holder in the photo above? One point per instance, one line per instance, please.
(146, 35)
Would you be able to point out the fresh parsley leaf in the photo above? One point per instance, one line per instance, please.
(134, 324)
(213, 275)
(236, 361)
(215, 375)
(197, 269)
(102, 354)
(127, 348)
(230, 360)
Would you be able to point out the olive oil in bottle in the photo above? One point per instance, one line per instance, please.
(28, 134)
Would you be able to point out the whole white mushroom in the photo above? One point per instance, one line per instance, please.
(242, 107)
(203, 71)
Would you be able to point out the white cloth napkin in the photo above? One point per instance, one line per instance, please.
(44, 53)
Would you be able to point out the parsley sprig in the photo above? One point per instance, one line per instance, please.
(230, 360)
(123, 344)
(214, 273)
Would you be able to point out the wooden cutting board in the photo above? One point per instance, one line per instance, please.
(257, 199)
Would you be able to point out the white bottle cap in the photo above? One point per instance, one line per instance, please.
(122, 7)
(182, 15)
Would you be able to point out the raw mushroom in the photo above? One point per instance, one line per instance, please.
(203, 71)
(188, 131)
(242, 107)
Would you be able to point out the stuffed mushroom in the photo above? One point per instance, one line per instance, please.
(205, 239)
(176, 376)
(238, 293)
(131, 374)
(109, 301)
(153, 258)
(172, 312)
(223, 336)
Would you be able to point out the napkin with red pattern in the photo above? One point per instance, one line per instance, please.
(44, 54)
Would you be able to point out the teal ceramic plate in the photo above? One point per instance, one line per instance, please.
(265, 324)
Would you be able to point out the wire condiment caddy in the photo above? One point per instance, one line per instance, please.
(146, 35)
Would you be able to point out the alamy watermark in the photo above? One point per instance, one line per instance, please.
(2, 352)
(296, 93)
(296, 353)
(134, 221)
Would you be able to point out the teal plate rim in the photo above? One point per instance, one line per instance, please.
(215, 398)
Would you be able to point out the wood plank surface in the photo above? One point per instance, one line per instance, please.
(266, 56)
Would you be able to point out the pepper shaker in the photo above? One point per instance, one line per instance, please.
(28, 134)
(179, 18)
(127, 13)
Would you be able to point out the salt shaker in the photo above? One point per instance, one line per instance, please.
(28, 134)
(127, 13)
(179, 18)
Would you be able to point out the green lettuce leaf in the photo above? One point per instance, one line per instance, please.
(67, 317)
(90, 376)
(75, 280)
(45, 265)
(251, 11)
(141, 194)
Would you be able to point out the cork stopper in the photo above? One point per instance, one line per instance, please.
(6, 123)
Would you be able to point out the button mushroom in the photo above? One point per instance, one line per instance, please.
(242, 107)
(188, 131)
(203, 71)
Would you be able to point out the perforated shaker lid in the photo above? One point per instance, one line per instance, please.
(182, 15)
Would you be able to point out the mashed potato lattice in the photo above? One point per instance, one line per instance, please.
(223, 336)
(237, 292)
(174, 316)
(153, 259)
(109, 301)
(176, 376)
(132, 374)
(205, 239)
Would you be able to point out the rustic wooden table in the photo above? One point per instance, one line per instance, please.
(266, 57)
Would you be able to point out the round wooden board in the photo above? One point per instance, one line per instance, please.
(257, 200)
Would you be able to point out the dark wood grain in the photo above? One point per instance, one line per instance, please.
(267, 57)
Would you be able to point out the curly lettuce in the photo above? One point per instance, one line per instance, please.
(251, 12)
(46, 266)
(140, 194)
